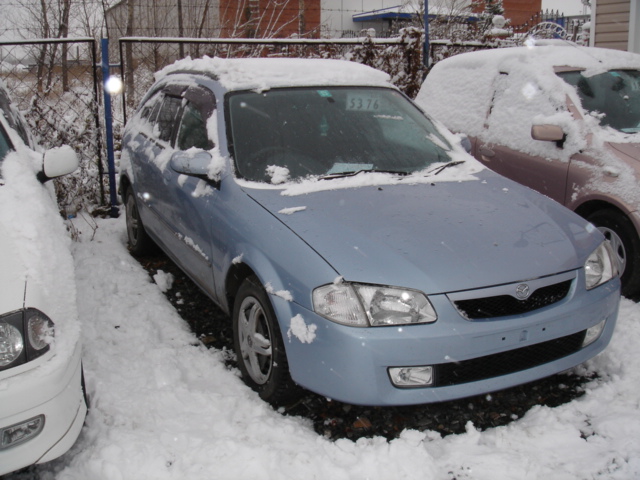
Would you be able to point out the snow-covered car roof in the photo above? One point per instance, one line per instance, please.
(540, 58)
(469, 80)
(265, 73)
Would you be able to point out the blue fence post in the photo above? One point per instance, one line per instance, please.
(108, 123)
(425, 48)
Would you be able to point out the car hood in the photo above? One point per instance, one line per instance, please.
(630, 149)
(438, 238)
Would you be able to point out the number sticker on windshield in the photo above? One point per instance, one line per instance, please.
(364, 103)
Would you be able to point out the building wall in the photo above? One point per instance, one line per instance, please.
(521, 11)
(337, 15)
(160, 19)
(611, 23)
(266, 18)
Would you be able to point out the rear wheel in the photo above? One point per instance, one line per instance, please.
(619, 230)
(259, 345)
(139, 241)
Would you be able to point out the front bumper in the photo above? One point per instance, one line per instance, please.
(58, 396)
(351, 364)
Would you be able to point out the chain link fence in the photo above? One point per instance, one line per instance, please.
(54, 83)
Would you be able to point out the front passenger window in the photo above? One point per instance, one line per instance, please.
(193, 130)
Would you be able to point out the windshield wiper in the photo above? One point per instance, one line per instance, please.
(356, 172)
(436, 171)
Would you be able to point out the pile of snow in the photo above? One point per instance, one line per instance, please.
(165, 407)
(264, 73)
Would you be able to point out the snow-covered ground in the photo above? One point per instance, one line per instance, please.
(163, 406)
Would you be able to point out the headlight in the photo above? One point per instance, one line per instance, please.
(601, 266)
(11, 344)
(39, 328)
(371, 305)
(24, 336)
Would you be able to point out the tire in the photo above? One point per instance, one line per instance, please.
(83, 385)
(619, 230)
(139, 242)
(259, 345)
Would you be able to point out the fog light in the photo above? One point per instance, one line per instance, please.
(411, 376)
(21, 432)
(593, 333)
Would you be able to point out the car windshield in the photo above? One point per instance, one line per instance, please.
(288, 134)
(615, 95)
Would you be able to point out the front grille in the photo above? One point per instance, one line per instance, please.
(448, 374)
(503, 305)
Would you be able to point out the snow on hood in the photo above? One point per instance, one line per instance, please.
(264, 73)
(437, 238)
(32, 228)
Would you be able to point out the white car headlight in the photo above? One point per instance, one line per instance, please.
(11, 344)
(601, 266)
(24, 336)
(372, 305)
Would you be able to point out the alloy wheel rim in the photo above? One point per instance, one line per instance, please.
(618, 247)
(254, 338)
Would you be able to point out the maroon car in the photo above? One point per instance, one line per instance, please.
(563, 120)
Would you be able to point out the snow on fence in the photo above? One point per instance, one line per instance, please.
(400, 56)
(55, 86)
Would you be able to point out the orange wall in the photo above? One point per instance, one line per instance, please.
(264, 18)
(521, 11)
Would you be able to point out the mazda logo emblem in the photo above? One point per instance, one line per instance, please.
(523, 291)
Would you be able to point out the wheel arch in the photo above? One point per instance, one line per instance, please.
(123, 185)
(237, 273)
(587, 208)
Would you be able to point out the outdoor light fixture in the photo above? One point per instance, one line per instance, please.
(113, 85)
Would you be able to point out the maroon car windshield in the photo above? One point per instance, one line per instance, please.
(613, 95)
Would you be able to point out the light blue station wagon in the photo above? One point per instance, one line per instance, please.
(360, 251)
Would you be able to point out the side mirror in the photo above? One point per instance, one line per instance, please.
(195, 164)
(58, 162)
(466, 143)
(547, 133)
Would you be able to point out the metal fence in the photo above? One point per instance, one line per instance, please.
(54, 83)
(141, 57)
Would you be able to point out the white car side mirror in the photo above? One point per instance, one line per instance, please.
(59, 161)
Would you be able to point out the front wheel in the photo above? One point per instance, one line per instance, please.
(259, 345)
(619, 230)
(139, 241)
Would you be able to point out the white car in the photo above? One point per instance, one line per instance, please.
(42, 400)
